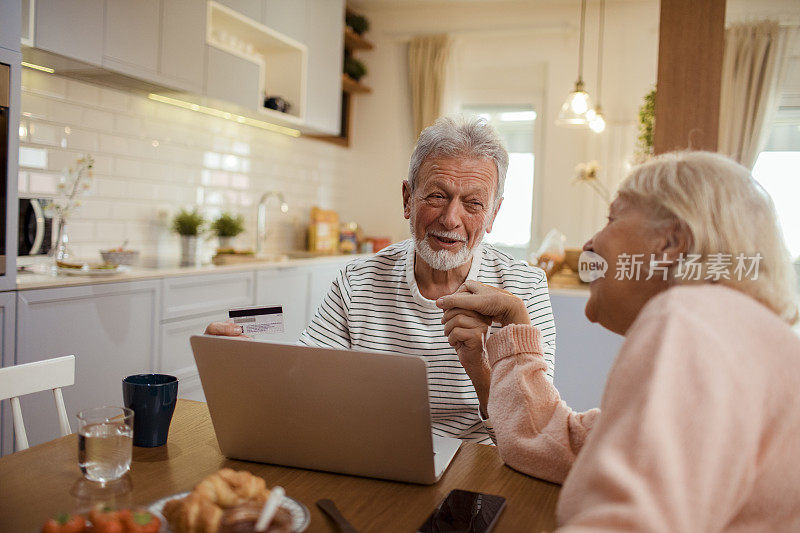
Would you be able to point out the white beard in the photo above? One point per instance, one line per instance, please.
(444, 259)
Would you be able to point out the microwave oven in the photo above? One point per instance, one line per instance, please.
(35, 236)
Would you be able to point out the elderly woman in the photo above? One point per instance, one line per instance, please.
(698, 429)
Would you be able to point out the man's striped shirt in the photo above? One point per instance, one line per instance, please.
(374, 304)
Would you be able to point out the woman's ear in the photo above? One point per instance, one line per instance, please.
(676, 240)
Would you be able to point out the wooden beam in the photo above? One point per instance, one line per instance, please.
(690, 46)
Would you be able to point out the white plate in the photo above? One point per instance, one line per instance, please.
(92, 271)
(299, 512)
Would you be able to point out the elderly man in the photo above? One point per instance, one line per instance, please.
(388, 302)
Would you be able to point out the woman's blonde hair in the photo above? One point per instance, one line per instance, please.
(725, 211)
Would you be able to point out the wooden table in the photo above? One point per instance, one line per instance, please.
(45, 479)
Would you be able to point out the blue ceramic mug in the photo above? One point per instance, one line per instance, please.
(152, 398)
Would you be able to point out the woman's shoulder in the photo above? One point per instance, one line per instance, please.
(708, 302)
(714, 319)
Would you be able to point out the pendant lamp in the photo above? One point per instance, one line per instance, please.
(573, 112)
(597, 122)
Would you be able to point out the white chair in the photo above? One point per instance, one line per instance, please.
(19, 380)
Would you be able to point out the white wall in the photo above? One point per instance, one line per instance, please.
(528, 52)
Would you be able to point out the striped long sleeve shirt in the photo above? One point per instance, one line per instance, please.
(374, 304)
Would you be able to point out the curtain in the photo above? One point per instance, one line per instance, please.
(753, 68)
(427, 66)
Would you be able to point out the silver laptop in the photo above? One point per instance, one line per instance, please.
(359, 413)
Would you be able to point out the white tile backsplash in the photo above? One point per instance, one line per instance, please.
(151, 158)
(40, 183)
(45, 134)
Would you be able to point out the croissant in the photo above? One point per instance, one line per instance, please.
(228, 488)
(193, 514)
(201, 511)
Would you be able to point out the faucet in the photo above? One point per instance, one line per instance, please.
(261, 221)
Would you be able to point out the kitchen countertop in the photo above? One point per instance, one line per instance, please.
(44, 279)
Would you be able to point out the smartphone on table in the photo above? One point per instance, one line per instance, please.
(463, 511)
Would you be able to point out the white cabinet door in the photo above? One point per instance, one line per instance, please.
(230, 78)
(132, 37)
(325, 40)
(584, 351)
(183, 38)
(175, 352)
(287, 287)
(110, 328)
(186, 296)
(8, 302)
(319, 24)
(248, 8)
(73, 29)
(322, 276)
(10, 17)
(286, 16)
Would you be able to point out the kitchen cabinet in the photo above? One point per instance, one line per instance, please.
(10, 15)
(584, 351)
(320, 283)
(183, 37)
(111, 329)
(132, 37)
(233, 79)
(118, 329)
(288, 287)
(317, 24)
(325, 41)
(190, 303)
(73, 29)
(249, 8)
(8, 301)
(175, 352)
(286, 16)
(185, 296)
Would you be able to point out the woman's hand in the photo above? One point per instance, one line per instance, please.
(498, 305)
(225, 329)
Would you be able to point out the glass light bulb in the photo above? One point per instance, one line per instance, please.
(580, 102)
(597, 123)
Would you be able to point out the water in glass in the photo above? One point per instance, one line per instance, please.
(104, 450)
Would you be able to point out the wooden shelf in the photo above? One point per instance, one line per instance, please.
(349, 85)
(353, 41)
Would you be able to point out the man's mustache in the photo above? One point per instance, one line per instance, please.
(451, 235)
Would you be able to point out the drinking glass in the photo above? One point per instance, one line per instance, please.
(105, 442)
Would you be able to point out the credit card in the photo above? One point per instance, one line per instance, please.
(258, 321)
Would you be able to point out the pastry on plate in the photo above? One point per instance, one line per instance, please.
(228, 501)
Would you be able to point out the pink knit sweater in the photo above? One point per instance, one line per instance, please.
(699, 429)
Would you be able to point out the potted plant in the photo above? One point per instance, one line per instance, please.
(226, 227)
(188, 225)
(354, 68)
(357, 23)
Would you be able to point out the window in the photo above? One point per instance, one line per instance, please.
(512, 227)
(776, 167)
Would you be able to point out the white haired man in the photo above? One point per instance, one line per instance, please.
(387, 302)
